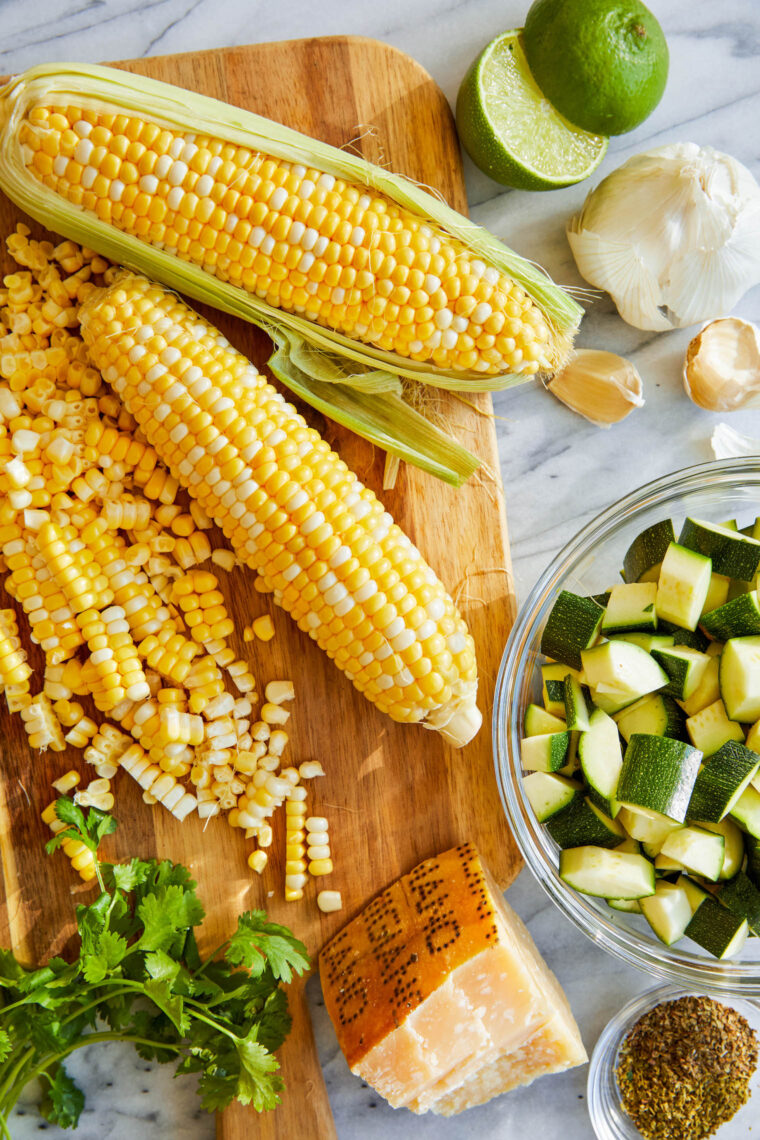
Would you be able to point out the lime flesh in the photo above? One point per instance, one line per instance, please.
(512, 132)
(602, 63)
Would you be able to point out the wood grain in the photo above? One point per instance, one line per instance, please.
(393, 795)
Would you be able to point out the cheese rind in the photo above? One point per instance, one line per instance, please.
(438, 994)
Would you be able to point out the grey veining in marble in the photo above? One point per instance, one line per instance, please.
(558, 471)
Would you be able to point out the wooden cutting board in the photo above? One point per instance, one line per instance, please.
(393, 795)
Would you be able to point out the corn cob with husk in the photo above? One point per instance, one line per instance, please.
(290, 507)
(331, 254)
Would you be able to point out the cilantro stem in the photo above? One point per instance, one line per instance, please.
(4, 1127)
(202, 969)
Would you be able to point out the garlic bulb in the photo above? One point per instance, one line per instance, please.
(673, 235)
(599, 385)
(728, 444)
(722, 368)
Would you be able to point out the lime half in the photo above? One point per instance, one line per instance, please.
(512, 132)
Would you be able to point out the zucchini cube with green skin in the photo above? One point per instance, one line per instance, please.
(607, 873)
(538, 722)
(707, 691)
(742, 897)
(740, 678)
(682, 586)
(711, 728)
(732, 553)
(582, 824)
(733, 844)
(601, 759)
(667, 911)
(746, 812)
(654, 715)
(685, 667)
(631, 607)
(717, 929)
(658, 774)
(546, 753)
(722, 781)
(693, 638)
(647, 550)
(650, 827)
(697, 850)
(576, 705)
(752, 847)
(549, 793)
(695, 894)
(572, 625)
(647, 641)
(618, 667)
(738, 618)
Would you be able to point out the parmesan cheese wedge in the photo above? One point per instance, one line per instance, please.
(439, 997)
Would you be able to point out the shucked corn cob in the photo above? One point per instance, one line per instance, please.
(289, 229)
(292, 510)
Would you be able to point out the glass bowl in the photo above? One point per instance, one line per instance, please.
(603, 1099)
(589, 564)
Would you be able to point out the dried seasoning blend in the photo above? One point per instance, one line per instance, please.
(685, 1067)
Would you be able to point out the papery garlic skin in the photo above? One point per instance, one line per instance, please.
(722, 368)
(729, 444)
(673, 235)
(600, 386)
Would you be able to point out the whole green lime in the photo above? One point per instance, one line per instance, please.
(512, 132)
(602, 63)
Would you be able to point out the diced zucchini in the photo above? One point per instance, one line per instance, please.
(742, 897)
(737, 618)
(697, 850)
(746, 811)
(554, 701)
(733, 845)
(753, 737)
(582, 824)
(658, 774)
(647, 826)
(740, 678)
(655, 715)
(546, 753)
(752, 847)
(538, 722)
(630, 906)
(717, 929)
(607, 873)
(711, 728)
(611, 700)
(693, 638)
(549, 793)
(601, 599)
(623, 668)
(667, 911)
(652, 574)
(601, 759)
(631, 607)
(722, 780)
(731, 553)
(631, 846)
(665, 866)
(572, 625)
(707, 691)
(576, 705)
(682, 586)
(572, 763)
(685, 667)
(647, 550)
(647, 641)
(695, 894)
(717, 595)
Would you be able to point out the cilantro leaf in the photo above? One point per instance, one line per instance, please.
(63, 1101)
(171, 911)
(69, 812)
(256, 1085)
(6, 1045)
(173, 1005)
(126, 876)
(257, 943)
(108, 955)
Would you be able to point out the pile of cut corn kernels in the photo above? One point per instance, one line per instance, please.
(105, 562)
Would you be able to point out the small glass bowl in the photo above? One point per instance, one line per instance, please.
(589, 564)
(609, 1120)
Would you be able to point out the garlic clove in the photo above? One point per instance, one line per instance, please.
(730, 444)
(598, 385)
(722, 368)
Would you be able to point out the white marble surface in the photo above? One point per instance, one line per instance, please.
(558, 470)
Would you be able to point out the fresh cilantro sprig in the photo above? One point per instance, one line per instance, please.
(140, 977)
